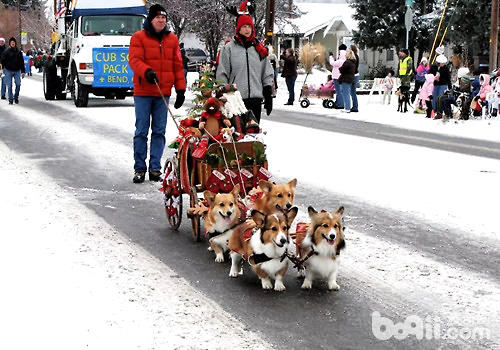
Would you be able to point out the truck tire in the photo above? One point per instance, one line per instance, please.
(49, 83)
(79, 93)
(60, 95)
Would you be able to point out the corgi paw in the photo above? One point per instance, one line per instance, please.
(219, 258)
(233, 273)
(306, 285)
(266, 284)
(210, 249)
(279, 286)
(333, 286)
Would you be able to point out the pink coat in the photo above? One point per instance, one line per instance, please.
(336, 64)
(486, 88)
(427, 88)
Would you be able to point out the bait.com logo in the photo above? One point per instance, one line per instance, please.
(384, 328)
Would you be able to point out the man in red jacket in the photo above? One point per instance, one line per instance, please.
(156, 60)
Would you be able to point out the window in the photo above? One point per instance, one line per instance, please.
(390, 55)
(111, 25)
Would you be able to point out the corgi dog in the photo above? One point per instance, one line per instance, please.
(322, 243)
(275, 197)
(222, 217)
(265, 246)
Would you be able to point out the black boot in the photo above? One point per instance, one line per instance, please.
(154, 176)
(139, 177)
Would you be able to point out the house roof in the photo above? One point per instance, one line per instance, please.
(317, 16)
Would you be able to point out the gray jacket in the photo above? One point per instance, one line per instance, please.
(244, 68)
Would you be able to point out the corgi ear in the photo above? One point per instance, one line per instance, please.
(293, 183)
(311, 211)
(290, 216)
(259, 217)
(236, 191)
(340, 210)
(209, 197)
(266, 186)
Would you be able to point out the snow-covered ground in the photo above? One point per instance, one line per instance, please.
(70, 281)
(65, 247)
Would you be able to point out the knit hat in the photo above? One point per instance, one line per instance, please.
(242, 20)
(441, 59)
(405, 51)
(342, 47)
(12, 39)
(424, 59)
(156, 10)
(440, 50)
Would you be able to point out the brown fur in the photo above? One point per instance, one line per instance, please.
(237, 242)
(276, 197)
(321, 224)
(221, 203)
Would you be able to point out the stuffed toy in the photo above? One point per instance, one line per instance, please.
(233, 108)
(213, 124)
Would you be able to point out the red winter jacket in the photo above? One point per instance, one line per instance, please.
(164, 58)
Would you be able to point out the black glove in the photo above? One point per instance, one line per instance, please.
(179, 100)
(268, 98)
(151, 76)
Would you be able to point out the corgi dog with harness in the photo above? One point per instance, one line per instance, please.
(223, 216)
(321, 246)
(275, 197)
(263, 241)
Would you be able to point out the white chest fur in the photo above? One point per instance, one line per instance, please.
(222, 239)
(322, 266)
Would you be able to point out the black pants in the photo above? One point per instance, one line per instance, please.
(428, 112)
(446, 102)
(418, 85)
(254, 105)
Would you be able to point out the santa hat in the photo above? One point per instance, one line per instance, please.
(243, 10)
(156, 10)
(2, 40)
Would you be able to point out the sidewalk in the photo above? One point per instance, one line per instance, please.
(69, 281)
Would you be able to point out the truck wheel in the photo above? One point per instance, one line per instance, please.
(49, 83)
(60, 95)
(79, 93)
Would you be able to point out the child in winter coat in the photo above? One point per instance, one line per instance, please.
(329, 83)
(388, 85)
(480, 98)
(425, 94)
(493, 103)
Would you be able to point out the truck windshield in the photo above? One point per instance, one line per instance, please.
(111, 25)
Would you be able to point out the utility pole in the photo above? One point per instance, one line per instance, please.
(19, 23)
(494, 35)
(271, 5)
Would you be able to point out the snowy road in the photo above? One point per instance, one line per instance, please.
(422, 238)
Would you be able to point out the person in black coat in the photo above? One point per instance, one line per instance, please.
(13, 67)
(2, 49)
(346, 79)
(289, 72)
(354, 85)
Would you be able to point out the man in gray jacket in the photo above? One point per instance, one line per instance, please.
(244, 61)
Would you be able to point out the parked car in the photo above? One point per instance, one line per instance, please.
(197, 58)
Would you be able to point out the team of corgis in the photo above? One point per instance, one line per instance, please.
(263, 237)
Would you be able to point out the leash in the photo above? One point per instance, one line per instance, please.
(168, 107)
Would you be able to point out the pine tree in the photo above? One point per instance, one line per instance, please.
(381, 24)
(470, 25)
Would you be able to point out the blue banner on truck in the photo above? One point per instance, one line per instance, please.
(111, 68)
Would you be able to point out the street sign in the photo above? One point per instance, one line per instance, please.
(408, 18)
(409, 2)
(24, 38)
